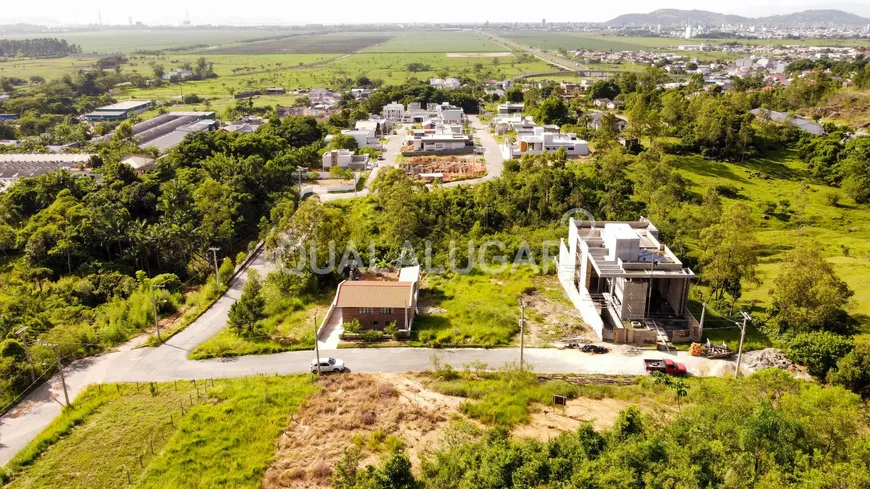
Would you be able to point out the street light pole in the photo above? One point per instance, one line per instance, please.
(746, 318)
(154, 305)
(316, 346)
(217, 278)
(60, 369)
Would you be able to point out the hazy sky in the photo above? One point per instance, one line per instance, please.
(344, 11)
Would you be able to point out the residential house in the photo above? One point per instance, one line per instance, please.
(364, 137)
(140, 163)
(394, 112)
(509, 108)
(540, 140)
(275, 91)
(4, 97)
(799, 122)
(595, 119)
(376, 304)
(446, 142)
(449, 114)
(377, 126)
(361, 93)
(514, 122)
(178, 74)
(601, 103)
(627, 285)
(344, 158)
(445, 83)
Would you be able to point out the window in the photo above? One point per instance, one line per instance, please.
(374, 323)
(386, 310)
(366, 310)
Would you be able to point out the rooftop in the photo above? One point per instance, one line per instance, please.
(373, 293)
(124, 106)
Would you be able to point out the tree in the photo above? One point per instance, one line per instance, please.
(514, 95)
(729, 253)
(225, 272)
(552, 111)
(807, 294)
(247, 313)
(853, 370)
(819, 351)
(158, 70)
(343, 141)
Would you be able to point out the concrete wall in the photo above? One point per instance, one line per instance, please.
(348, 314)
(634, 295)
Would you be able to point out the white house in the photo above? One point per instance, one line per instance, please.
(595, 119)
(509, 108)
(445, 83)
(441, 142)
(364, 138)
(179, 73)
(394, 112)
(344, 158)
(540, 140)
(450, 114)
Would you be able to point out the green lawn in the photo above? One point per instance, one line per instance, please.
(289, 326)
(842, 231)
(226, 438)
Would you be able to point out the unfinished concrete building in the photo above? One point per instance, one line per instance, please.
(627, 285)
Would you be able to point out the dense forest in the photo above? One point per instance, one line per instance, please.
(37, 48)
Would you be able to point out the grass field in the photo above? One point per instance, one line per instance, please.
(479, 309)
(339, 43)
(437, 42)
(126, 41)
(106, 440)
(601, 42)
(841, 231)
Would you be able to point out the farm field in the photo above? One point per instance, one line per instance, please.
(437, 42)
(306, 44)
(107, 440)
(601, 42)
(47, 68)
(127, 41)
(841, 230)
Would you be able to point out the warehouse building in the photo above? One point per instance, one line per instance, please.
(118, 112)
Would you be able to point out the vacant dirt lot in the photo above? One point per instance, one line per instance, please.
(381, 412)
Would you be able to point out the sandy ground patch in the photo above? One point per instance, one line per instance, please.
(549, 422)
(478, 55)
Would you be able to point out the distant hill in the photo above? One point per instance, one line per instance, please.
(670, 16)
(673, 17)
(837, 17)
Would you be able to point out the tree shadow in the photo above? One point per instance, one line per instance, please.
(708, 168)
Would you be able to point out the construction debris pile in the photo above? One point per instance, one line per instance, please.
(444, 168)
(767, 358)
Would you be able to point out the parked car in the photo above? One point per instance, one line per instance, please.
(381, 158)
(327, 364)
(669, 367)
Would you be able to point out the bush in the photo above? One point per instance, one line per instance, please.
(226, 271)
(819, 351)
(372, 335)
(832, 197)
(392, 330)
(352, 327)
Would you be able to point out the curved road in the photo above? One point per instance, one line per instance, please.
(169, 362)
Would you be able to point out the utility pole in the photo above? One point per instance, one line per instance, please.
(746, 317)
(60, 369)
(217, 278)
(316, 346)
(19, 334)
(522, 331)
(154, 305)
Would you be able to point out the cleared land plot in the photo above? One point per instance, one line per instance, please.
(437, 42)
(481, 310)
(477, 55)
(307, 44)
(225, 437)
(46, 68)
(126, 41)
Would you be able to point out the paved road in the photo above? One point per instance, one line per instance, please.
(169, 362)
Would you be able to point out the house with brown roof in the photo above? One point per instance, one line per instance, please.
(376, 304)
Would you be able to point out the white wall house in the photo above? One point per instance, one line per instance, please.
(440, 142)
(344, 158)
(540, 140)
(364, 138)
(449, 114)
(509, 108)
(394, 111)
